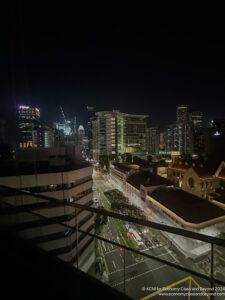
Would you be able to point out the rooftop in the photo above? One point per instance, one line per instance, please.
(222, 173)
(147, 179)
(125, 167)
(221, 198)
(115, 112)
(188, 207)
(204, 169)
(14, 168)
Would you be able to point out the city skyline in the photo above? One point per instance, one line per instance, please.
(130, 68)
(206, 122)
(112, 156)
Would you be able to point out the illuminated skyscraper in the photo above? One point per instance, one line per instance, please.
(31, 130)
(75, 125)
(153, 140)
(179, 138)
(90, 115)
(196, 118)
(115, 133)
(182, 113)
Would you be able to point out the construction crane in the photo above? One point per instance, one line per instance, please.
(66, 126)
(62, 112)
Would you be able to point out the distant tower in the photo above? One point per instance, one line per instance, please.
(90, 115)
(75, 125)
(196, 118)
(63, 124)
(81, 131)
(81, 134)
(31, 130)
(182, 113)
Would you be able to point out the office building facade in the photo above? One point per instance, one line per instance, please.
(182, 113)
(30, 129)
(196, 118)
(60, 174)
(115, 133)
(179, 138)
(153, 141)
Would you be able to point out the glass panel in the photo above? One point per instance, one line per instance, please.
(219, 263)
(147, 278)
(51, 225)
(107, 262)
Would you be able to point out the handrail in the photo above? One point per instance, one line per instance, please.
(158, 226)
(185, 233)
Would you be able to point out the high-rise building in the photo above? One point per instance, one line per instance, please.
(162, 141)
(90, 118)
(81, 135)
(49, 137)
(179, 138)
(90, 115)
(58, 173)
(31, 130)
(153, 140)
(75, 125)
(115, 133)
(196, 118)
(182, 113)
(64, 126)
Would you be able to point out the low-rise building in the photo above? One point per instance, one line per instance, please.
(195, 177)
(164, 203)
(186, 209)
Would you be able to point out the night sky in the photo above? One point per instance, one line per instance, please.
(50, 61)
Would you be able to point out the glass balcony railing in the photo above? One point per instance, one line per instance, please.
(140, 258)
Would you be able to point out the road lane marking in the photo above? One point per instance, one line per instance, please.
(114, 264)
(103, 245)
(103, 256)
(134, 265)
(188, 278)
(139, 275)
(128, 266)
(114, 250)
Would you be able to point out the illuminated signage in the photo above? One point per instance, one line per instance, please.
(24, 107)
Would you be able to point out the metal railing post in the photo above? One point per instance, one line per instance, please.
(77, 254)
(189, 290)
(212, 270)
(124, 272)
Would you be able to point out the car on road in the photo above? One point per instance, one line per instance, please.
(127, 226)
(147, 243)
(156, 242)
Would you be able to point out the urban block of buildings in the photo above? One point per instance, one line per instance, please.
(164, 203)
